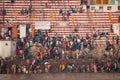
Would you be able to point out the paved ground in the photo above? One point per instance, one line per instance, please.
(63, 76)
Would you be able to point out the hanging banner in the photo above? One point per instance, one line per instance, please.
(63, 23)
(22, 31)
(51, 16)
(116, 28)
(33, 32)
(73, 19)
(14, 32)
(33, 16)
(42, 25)
(110, 16)
(15, 16)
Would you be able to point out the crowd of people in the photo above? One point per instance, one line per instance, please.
(36, 65)
(44, 54)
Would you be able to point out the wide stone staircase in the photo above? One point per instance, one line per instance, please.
(85, 22)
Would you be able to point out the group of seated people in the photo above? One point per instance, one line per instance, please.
(67, 13)
(26, 10)
(36, 66)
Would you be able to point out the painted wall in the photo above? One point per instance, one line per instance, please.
(113, 8)
(116, 28)
(7, 48)
(98, 8)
